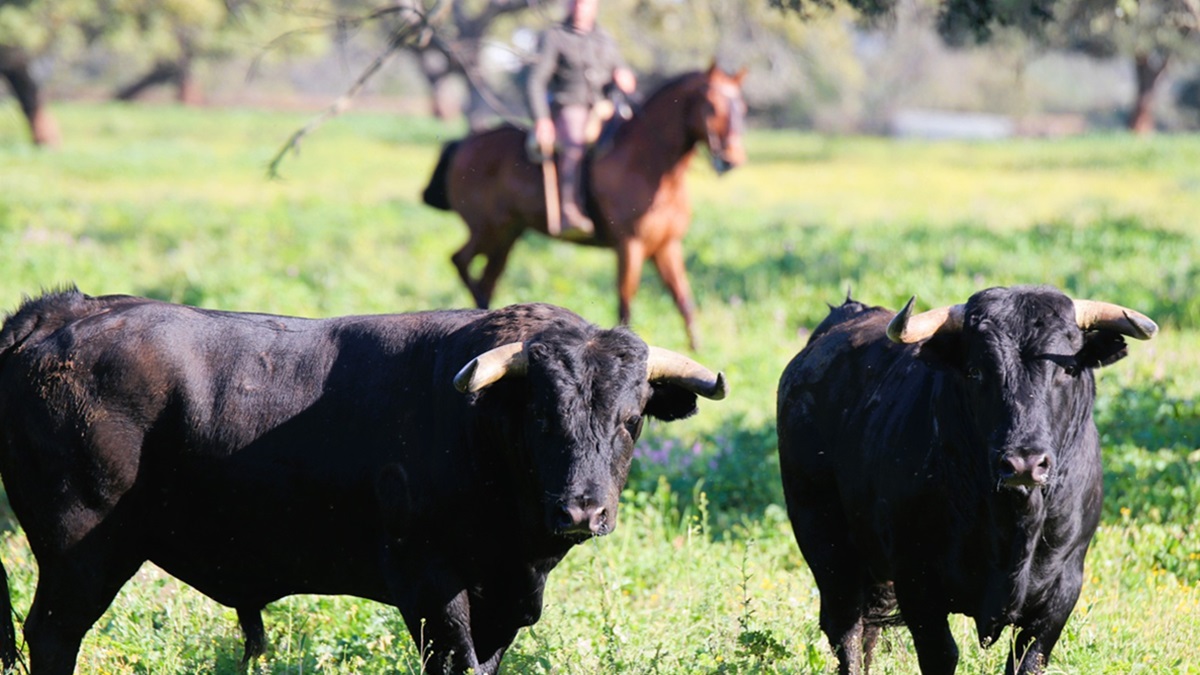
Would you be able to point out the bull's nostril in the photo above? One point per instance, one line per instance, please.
(1027, 471)
(598, 521)
(1011, 466)
(570, 517)
(1041, 468)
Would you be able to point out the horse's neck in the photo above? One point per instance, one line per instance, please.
(661, 136)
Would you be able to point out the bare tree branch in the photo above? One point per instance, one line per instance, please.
(416, 32)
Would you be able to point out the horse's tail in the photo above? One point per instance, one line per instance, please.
(435, 193)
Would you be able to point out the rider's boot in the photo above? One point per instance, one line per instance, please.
(575, 224)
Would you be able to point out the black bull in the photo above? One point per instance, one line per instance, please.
(442, 462)
(953, 468)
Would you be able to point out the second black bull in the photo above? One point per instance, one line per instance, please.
(442, 462)
(948, 463)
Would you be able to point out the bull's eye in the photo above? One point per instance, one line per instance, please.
(975, 374)
(633, 425)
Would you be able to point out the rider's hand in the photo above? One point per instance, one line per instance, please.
(625, 80)
(543, 132)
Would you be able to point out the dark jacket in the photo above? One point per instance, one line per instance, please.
(572, 68)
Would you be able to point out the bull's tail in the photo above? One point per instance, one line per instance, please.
(435, 193)
(8, 636)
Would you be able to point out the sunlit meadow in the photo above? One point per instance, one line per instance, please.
(702, 574)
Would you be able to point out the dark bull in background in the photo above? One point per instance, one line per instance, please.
(442, 462)
(948, 463)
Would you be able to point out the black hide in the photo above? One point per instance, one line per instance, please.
(909, 472)
(257, 456)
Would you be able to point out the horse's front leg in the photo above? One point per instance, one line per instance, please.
(631, 255)
(494, 242)
(669, 261)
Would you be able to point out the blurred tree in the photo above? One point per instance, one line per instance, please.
(958, 20)
(457, 51)
(1151, 33)
(28, 29)
(168, 37)
(800, 73)
(15, 69)
(173, 35)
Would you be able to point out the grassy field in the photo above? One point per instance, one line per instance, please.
(702, 574)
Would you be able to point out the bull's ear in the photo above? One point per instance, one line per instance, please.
(670, 402)
(1101, 348)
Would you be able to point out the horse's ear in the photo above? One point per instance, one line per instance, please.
(713, 68)
(740, 75)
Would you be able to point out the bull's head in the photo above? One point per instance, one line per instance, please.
(583, 405)
(1023, 357)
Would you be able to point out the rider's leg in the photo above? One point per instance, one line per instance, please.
(571, 125)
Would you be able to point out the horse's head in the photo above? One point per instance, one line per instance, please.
(725, 119)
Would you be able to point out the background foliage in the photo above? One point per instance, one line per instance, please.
(702, 574)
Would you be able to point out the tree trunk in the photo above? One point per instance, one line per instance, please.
(437, 69)
(163, 72)
(14, 67)
(1148, 67)
(178, 73)
(187, 88)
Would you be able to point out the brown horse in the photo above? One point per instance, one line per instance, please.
(637, 194)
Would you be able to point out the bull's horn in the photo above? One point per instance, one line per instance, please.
(1090, 314)
(907, 329)
(664, 365)
(487, 368)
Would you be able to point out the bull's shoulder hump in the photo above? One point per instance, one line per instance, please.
(839, 349)
(52, 311)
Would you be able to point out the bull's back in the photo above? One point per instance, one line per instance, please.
(825, 386)
(228, 439)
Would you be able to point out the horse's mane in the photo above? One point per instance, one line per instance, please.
(670, 85)
(662, 92)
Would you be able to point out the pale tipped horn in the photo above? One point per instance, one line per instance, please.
(1091, 314)
(906, 329)
(489, 367)
(664, 365)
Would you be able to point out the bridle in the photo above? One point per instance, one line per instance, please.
(736, 107)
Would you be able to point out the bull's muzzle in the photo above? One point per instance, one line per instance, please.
(1028, 470)
(583, 520)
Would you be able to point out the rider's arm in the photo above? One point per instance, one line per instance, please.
(538, 84)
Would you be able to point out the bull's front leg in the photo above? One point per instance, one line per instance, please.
(443, 636)
(1033, 640)
(437, 611)
(511, 602)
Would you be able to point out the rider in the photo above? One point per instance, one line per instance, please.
(577, 59)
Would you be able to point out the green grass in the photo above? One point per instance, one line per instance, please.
(702, 574)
